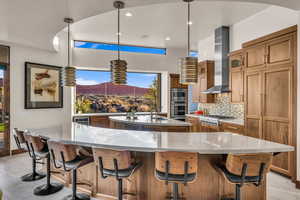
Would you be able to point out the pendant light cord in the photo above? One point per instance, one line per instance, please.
(118, 33)
(189, 28)
(68, 44)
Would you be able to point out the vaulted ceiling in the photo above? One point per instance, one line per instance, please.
(36, 22)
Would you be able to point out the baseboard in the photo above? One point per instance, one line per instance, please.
(18, 151)
(297, 184)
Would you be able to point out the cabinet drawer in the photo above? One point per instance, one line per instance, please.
(234, 128)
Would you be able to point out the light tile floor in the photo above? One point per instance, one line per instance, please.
(12, 168)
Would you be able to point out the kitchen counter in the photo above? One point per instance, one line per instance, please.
(146, 120)
(150, 141)
(231, 121)
(210, 146)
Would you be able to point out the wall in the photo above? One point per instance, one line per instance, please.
(29, 118)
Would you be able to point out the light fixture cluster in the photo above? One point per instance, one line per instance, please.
(118, 67)
(188, 65)
(69, 72)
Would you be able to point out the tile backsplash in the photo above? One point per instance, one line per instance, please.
(223, 106)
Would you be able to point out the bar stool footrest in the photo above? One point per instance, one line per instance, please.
(47, 190)
(225, 198)
(33, 177)
(79, 196)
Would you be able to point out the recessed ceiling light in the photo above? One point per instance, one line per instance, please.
(190, 23)
(128, 14)
(168, 38)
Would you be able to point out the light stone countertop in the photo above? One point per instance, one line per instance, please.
(146, 120)
(149, 141)
(231, 121)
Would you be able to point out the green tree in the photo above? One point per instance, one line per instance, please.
(152, 95)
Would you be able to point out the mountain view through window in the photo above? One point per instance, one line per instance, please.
(96, 94)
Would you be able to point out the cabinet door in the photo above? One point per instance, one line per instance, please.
(253, 104)
(277, 113)
(237, 86)
(280, 50)
(255, 57)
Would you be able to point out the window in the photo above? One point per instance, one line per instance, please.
(114, 47)
(96, 94)
(194, 53)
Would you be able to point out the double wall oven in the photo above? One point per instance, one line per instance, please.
(179, 103)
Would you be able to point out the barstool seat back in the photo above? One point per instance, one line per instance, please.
(68, 150)
(124, 159)
(234, 163)
(177, 162)
(20, 136)
(37, 143)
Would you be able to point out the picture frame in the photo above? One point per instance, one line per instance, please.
(42, 86)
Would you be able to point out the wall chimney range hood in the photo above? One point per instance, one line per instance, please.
(221, 62)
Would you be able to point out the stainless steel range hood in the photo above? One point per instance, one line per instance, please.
(221, 62)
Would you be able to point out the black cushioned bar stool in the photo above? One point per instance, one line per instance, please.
(68, 157)
(22, 144)
(40, 150)
(245, 169)
(176, 167)
(118, 164)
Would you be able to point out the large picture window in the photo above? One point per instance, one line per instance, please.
(96, 94)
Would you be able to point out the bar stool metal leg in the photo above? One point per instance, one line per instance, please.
(48, 188)
(120, 189)
(34, 176)
(75, 195)
(175, 191)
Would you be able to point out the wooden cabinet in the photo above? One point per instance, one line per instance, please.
(236, 77)
(255, 57)
(175, 82)
(253, 104)
(280, 50)
(195, 124)
(270, 93)
(233, 128)
(206, 71)
(99, 121)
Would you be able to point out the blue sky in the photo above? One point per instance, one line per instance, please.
(85, 77)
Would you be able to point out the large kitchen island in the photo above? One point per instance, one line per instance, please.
(211, 147)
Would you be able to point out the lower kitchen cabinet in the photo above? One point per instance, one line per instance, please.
(233, 128)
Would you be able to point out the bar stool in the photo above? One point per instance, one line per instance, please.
(22, 140)
(176, 167)
(66, 156)
(40, 150)
(245, 169)
(118, 164)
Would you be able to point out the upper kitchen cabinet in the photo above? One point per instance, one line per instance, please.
(255, 57)
(236, 78)
(206, 71)
(175, 82)
(280, 50)
(236, 60)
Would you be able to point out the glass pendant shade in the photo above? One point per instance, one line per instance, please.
(118, 72)
(188, 70)
(69, 76)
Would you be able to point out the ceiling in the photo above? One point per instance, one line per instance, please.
(151, 25)
(36, 22)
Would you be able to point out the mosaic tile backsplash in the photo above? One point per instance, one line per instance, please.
(223, 106)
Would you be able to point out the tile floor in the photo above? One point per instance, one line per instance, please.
(12, 168)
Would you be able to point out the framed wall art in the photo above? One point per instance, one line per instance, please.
(42, 86)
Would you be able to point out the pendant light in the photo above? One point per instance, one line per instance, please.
(188, 65)
(69, 72)
(118, 67)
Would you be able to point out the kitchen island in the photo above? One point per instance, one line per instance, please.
(148, 123)
(210, 184)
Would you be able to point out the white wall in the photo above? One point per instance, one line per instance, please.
(29, 118)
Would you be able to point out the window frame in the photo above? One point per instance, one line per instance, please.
(125, 45)
(159, 75)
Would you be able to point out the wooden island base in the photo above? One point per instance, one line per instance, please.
(209, 185)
